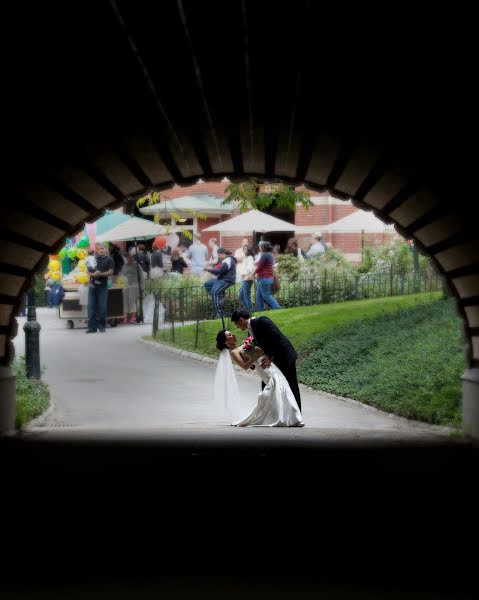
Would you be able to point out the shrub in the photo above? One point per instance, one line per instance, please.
(33, 397)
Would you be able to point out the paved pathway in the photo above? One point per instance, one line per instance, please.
(111, 382)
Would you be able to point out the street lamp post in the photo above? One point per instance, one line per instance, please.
(32, 338)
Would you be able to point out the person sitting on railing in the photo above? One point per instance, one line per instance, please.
(225, 277)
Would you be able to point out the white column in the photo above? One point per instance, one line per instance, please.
(7, 400)
(470, 402)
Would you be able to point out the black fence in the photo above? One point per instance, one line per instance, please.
(186, 304)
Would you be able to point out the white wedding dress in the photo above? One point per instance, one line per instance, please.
(276, 406)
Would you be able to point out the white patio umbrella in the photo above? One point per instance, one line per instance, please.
(356, 222)
(133, 229)
(253, 220)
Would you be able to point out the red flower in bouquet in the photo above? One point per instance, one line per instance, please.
(249, 343)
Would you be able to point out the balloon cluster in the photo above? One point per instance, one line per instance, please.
(79, 252)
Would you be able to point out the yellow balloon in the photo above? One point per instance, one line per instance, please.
(56, 275)
(83, 277)
(54, 265)
(82, 265)
(82, 253)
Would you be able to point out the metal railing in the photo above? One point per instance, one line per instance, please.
(179, 305)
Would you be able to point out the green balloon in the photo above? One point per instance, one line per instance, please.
(72, 253)
(63, 252)
(84, 241)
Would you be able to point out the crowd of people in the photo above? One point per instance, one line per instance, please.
(247, 268)
(218, 267)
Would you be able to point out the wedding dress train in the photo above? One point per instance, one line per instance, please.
(277, 406)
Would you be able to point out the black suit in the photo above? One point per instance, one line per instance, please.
(277, 346)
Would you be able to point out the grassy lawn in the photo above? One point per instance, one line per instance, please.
(402, 354)
(409, 362)
(33, 397)
(298, 324)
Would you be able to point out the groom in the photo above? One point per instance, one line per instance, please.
(276, 346)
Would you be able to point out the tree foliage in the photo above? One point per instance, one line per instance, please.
(156, 198)
(251, 195)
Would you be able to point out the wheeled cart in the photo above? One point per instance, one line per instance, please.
(76, 314)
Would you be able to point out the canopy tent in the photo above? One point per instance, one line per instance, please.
(132, 228)
(186, 205)
(253, 220)
(357, 222)
(109, 220)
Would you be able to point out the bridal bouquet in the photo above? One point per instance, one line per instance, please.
(249, 345)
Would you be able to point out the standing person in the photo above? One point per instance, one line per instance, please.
(276, 253)
(178, 263)
(98, 290)
(117, 257)
(275, 345)
(143, 259)
(131, 292)
(23, 305)
(239, 252)
(156, 264)
(166, 255)
(225, 277)
(293, 248)
(264, 274)
(214, 260)
(48, 287)
(197, 253)
(247, 278)
(317, 246)
(240, 256)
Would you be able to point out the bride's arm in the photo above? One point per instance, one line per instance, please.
(244, 363)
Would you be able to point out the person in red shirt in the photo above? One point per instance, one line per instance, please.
(264, 274)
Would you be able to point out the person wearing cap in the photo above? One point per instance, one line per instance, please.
(98, 290)
(317, 246)
(225, 277)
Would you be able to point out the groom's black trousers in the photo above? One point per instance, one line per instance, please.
(289, 371)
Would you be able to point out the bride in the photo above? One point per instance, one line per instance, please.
(276, 406)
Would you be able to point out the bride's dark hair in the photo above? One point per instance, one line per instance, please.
(221, 340)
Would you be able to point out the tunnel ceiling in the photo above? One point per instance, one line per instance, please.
(105, 100)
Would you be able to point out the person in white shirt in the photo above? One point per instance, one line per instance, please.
(240, 255)
(213, 245)
(247, 278)
(197, 253)
(317, 247)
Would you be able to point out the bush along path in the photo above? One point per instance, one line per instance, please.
(408, 362)
(33, 397)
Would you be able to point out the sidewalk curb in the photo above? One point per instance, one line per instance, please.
(158, 346)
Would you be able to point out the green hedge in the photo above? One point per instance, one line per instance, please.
(409, 362)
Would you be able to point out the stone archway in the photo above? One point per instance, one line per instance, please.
(124, 118)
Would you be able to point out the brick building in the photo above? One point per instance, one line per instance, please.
(206, 198)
